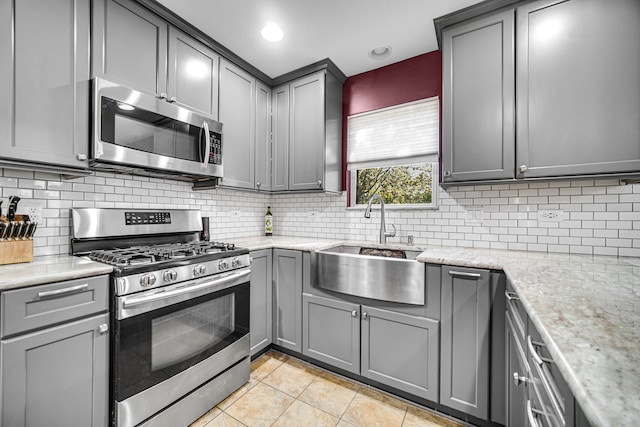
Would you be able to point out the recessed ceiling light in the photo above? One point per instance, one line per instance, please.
(380, 52)
(272, 32)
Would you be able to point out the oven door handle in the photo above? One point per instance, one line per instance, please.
(222, 281)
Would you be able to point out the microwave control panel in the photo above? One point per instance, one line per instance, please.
(215, 155)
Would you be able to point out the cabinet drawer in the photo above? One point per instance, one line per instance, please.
(40, 306)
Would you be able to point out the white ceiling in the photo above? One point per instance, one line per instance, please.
(342, 30)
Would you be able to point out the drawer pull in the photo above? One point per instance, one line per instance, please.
(63, 291)
(536, 357)
(464, 274)
(511, 296)
(519, 379)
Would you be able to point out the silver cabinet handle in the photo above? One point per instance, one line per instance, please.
(207, 152)
(519, 379)
(103, 329)
(81, 156)
(163, 96)
(258, 184)
(365, 315)
(64, 291)
(354, 313)
(511, 296)
(319, 183)
(536, 357)
(464, 274)
(172, 99)
(533, 421)
(523, 168)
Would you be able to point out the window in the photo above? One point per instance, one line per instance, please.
(393, 152)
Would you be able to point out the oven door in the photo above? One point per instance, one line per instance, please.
(160, 334)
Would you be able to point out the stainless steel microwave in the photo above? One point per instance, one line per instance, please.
(137, 132)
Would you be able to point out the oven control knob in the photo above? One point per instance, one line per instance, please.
(169, 275)
(223, 265)
(147, 280)
(199, 270)
(236, 262)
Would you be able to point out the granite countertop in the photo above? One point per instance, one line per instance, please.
(48, 270)
(587, 309)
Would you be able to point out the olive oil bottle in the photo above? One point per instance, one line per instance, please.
(268, 222)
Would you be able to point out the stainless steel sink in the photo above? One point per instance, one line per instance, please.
(377, 273)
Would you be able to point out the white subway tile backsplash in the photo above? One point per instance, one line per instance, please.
(600, 217)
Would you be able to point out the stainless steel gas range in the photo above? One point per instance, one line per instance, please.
(179, 312)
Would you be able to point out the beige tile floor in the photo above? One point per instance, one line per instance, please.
(284, 391)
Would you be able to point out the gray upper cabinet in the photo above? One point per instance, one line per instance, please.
(261, 300)
(134, 46)
(193, 70)
(263, 137)
(575, 103)
(238, 115)
(465, 340)
(44, 82)
(478, 123)
(280, 139)
(287, 299)
(129, 44)
(578, 68)
(307, 148)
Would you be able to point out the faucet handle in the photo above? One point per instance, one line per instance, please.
(391, 233)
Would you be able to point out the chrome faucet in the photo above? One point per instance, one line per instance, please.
(383, 231)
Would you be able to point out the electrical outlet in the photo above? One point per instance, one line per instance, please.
(33, 208)
(550, 216)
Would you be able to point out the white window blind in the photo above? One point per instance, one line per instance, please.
(404, 132)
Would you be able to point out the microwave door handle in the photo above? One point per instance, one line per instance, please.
(207, 151)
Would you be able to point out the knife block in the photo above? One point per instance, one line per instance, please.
(16, 251)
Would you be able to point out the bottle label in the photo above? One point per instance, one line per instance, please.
(268, 227)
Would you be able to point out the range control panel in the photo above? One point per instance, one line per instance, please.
(135, 218)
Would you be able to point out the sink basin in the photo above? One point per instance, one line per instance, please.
(370, 251)
(385, 274)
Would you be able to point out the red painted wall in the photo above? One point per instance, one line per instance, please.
(405, 81)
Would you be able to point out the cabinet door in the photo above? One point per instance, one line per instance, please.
(280, 147)
(287, 299)
(57, 377)
(578, 74)
(261, 300)
(307, 137)
(44, 81)
(193, 73)
(129, 44)
(478, 129)
(238, 115)
(401, 351)
(331, 332)
(517, 374)
(465, 340)
(263, 137)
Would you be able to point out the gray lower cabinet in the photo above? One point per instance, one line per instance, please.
(54, 354)
(238, 114)
(287, 299)
(57, 377)
(465, 340)
(517, 377)
(261, 300)
(577, 112)
(44, 82)
(395, 349)
(478, 121)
